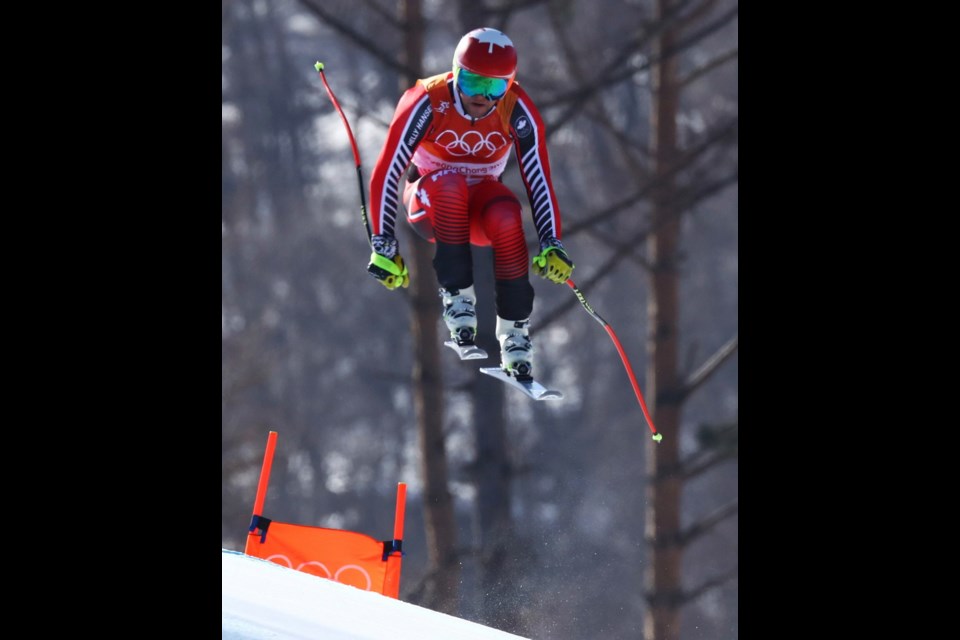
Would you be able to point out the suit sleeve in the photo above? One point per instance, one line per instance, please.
(410, 124)
(530, 140)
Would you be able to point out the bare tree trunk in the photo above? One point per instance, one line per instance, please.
(441, 591)
(663, 578)
(492, 470)
(443, 570)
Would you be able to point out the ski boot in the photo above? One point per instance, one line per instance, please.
(460, 315)
(516, 350)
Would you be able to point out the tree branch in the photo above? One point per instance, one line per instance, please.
(709, 367)
(716, 581)
(708, 67)
(363, 41)
(705, 461)
(717, 135)
(612, 73)
(701, 527)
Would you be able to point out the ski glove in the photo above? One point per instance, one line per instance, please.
(386, 265)
(553, 263)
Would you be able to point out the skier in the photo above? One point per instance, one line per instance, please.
(454, 131)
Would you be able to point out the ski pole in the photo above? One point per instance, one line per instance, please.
(356, 153)
(623, 356)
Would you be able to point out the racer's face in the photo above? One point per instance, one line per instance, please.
(476, 106)
(479, 93)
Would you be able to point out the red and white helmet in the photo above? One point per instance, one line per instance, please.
(486, 52)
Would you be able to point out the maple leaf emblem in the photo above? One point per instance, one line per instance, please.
(494, 37)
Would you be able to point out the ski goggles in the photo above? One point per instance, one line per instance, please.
(473, 84)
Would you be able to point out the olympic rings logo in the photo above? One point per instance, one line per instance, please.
(319, 569)
(472, 143)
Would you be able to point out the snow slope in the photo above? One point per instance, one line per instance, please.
(262, 600)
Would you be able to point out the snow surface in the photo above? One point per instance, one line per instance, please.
(262, 600)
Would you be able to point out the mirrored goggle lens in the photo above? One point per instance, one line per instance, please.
(477, 85)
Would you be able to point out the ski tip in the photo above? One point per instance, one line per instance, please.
(318, 66)
(657, 437)
(530, 387)
(467, 352)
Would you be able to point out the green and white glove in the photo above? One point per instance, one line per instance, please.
(553, 263)
(386, 265)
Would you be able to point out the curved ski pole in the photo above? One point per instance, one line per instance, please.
(356, 153)
(623, 356)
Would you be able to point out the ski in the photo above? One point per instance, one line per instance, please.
(530, 386)
(467, 351)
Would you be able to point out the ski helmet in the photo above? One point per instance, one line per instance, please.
(490, 60)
